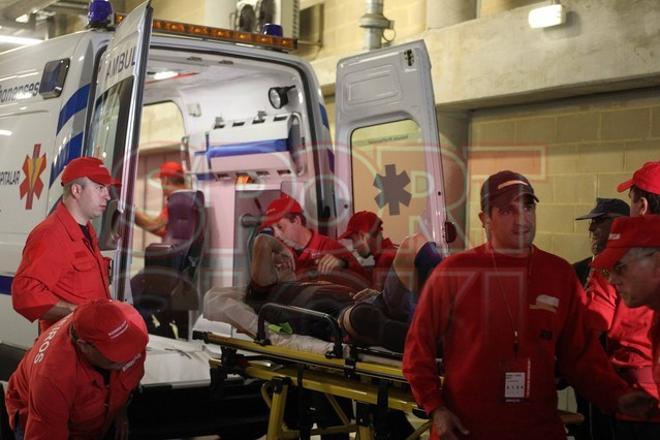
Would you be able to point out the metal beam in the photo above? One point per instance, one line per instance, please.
(23, 7)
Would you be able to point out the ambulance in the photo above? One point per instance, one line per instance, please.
(253, 124)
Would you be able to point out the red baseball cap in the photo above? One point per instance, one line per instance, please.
(170, 169)
(278, 208)
(89, 167)
(362, 221)
(628, 232)
(646, 178)
(115, 328)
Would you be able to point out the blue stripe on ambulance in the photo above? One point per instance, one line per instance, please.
(70, 151)
(5, 284)
(76, 103)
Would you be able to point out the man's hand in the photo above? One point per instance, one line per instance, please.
(328, 263)
(446, 424)
(638, 404)
(364, 295)
(121, 425)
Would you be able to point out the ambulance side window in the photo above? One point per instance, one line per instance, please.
(109, 126)
(389, 169)
(107, 142)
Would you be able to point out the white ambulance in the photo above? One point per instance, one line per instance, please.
(254, 125)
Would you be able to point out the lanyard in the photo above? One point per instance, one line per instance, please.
(514, 325)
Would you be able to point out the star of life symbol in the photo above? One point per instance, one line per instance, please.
(392, 187)
(32, 184)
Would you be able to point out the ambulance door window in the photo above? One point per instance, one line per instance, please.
(390, 175)
(107, 142)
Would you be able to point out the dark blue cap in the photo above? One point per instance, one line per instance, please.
(607, 207)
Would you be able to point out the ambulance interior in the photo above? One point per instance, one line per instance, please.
(217, 115)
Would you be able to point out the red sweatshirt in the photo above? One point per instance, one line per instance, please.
(628, 343)
(472, 303)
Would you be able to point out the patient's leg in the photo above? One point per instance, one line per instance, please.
(272, 262)
(413, 263)
(366, 323)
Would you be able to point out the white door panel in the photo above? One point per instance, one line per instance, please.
(387, 141)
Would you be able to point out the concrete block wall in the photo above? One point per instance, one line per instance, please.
(572, 151)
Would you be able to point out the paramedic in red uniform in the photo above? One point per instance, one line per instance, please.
(171, 179)
(365, 230)
(627, 330)
(631, 261)
(76, 380)
(311, 255)
(62, 266)
(505, 313)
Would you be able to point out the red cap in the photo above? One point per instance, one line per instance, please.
(170, 169)
(278, 208)
(115, 328)
(89, 167)
(646, 178)
(362, 221)
(628, 232)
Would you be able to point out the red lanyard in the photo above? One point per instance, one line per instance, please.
(514, 325)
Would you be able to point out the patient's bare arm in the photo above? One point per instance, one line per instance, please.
(272, 261)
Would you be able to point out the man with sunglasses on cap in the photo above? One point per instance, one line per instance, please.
(631, 262)
(602, 316)
(76, 380)
(62, 266)
(627, 329)
(171, 179)
(505, 314)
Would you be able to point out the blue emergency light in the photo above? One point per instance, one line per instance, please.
(272, 29)
(99, 13)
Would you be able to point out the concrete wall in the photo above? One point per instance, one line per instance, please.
(572, 150)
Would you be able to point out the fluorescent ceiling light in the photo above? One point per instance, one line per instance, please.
(19, 41)
(5, 132)
(547, 16)
(166, 74)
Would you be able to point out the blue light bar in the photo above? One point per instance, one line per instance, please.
(99, 14)
(272, 29)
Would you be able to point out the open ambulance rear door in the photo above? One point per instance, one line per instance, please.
(387, 143)
(115, 130)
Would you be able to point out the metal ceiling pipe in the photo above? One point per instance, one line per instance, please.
(443, 13)
(374, 23)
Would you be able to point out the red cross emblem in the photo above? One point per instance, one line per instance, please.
(32, 184)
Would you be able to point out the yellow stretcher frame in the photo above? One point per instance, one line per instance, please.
(321, 375)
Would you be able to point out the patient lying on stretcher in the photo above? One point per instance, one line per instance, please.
(366, 316)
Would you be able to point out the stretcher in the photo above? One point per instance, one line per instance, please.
(370, 377)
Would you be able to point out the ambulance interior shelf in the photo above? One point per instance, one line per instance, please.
(264, 147)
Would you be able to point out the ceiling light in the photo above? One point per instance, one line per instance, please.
(5, 132)
(547, 16)
(19, 41)
(165, 74)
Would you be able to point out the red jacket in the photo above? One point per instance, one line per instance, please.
(464, 306)
(58, 264)
(628, 344)
(59, 395)
(354, 275)
(655, 339)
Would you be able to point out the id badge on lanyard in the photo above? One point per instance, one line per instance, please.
(517, 376)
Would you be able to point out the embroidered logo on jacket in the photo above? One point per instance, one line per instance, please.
(546, 302)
